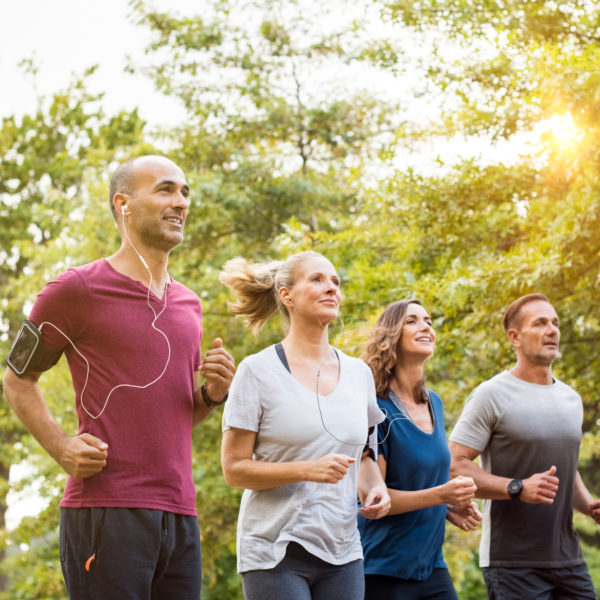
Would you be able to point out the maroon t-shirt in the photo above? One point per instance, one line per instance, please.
(148, 431)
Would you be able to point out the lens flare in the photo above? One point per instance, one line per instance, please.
(561, 131)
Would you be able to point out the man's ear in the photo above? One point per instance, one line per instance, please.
(513, 337)
(120, 203)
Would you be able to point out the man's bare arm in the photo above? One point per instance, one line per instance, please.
(80, 456)
(539, 488)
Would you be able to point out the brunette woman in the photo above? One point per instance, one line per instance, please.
(403, 551)
(295, 428)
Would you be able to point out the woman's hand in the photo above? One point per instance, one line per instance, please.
(372, 490)
(330, 468)
(377, 503)
(459, 491)
(466, 518)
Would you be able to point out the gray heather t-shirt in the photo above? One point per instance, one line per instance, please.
(523, 428)
(264, 397)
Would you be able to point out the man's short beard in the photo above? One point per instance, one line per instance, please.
(540, 359)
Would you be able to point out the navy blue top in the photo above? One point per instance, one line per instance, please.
(409, 545)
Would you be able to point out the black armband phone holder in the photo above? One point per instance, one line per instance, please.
(29, 353)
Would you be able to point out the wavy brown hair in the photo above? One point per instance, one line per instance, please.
(381, 352)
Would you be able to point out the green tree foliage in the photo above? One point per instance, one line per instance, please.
(274, 132)
(530, 223)
(291, 141)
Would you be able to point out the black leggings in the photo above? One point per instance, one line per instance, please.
(302, 576)
(438, 586)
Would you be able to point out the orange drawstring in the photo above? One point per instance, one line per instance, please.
(88, 562)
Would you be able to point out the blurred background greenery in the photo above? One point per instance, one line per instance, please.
(447, 151)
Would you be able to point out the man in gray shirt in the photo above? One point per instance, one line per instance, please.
(526, 425)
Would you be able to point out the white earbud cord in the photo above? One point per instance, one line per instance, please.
(122, 385)
(399, 416)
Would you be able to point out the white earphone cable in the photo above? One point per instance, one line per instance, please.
(156, 316)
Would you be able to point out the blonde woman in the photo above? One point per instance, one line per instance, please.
(295, 428)
(403, 551)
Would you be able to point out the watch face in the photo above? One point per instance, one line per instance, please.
(515, 486)
(23, 348)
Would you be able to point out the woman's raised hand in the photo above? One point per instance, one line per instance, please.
(459, 491)
(330, 468)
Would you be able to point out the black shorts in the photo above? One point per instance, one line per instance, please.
(129, 553)
(525, 583)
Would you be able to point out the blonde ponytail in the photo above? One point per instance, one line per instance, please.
(256, 286)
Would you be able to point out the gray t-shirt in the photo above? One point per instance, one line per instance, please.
(523, 428)
(264, 397)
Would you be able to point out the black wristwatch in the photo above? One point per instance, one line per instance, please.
(515, 487)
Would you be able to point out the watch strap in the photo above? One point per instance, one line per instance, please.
(210, 403)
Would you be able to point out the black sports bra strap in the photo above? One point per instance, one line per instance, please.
(282, 357)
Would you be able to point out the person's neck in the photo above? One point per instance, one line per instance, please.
(127, 262)
(307, 342)
(539, 374)
(405, 377)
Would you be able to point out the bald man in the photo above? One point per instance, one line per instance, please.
(131, 335)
